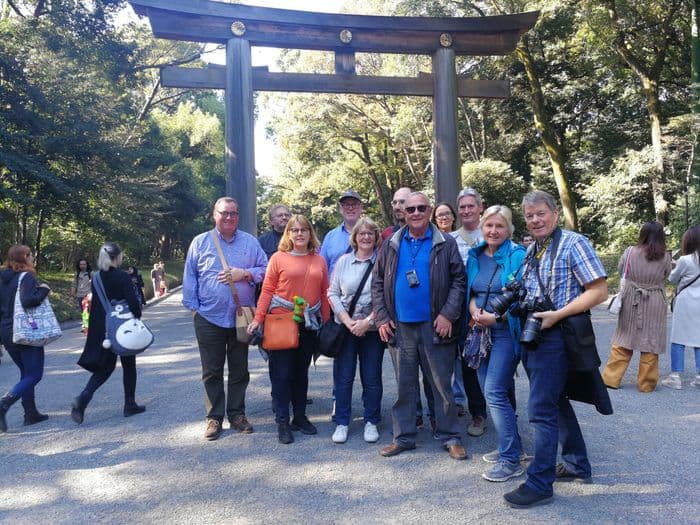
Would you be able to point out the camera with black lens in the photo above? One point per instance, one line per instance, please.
(512, 292)
(532, 327)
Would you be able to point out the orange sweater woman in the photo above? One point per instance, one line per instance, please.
(296, 270)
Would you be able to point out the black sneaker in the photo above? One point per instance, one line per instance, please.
(304, 425)
(284, 433)
(565, 475)
(524, 497)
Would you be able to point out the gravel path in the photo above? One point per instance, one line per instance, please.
(155, 467)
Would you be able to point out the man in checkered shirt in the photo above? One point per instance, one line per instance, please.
(574, 279)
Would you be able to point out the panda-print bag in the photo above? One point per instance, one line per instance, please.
(124, 334)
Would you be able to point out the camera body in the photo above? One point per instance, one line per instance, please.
(515, 293)
(532, 327)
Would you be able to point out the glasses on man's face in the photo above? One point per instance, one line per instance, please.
(227, 214)
(297, 231)
(421, 208)
(282, 215)
(350, 204)
(396, 202)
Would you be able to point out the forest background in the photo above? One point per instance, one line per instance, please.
(92, 147)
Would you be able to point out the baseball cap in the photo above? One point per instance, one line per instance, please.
(350, 194)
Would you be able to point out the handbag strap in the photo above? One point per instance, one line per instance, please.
(488, 288)
(356, 297)
(627, 263)
(679, 290)
(101, 293)
(225, 265)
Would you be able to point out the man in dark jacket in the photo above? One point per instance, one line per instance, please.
(418, 293)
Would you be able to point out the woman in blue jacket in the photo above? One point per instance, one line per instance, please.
(29, 359)
(490, 266)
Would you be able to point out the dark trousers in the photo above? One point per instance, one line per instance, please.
(30, 361)
(414, 340)
(289, 371)
(97, 379)
(476, 403)
(217, 345)
(552, 418)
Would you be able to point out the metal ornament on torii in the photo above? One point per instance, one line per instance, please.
(241, 26)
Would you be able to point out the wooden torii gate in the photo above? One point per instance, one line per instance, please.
(241, 26)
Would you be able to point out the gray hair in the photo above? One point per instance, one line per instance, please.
(538, 197)
(275, 207)
(470, 192)
(224, 199)
(366, 223)
(110, 256)
(503, 211)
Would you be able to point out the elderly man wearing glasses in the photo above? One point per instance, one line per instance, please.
(213, 291)
(417, 296)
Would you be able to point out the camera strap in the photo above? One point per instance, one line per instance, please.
(554, 248)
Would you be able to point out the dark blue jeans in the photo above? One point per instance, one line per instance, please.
(289, 372)
(369, 350)
(496, 378)
(551, 415)
(30, 361)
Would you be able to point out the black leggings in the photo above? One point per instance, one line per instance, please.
(98, 378)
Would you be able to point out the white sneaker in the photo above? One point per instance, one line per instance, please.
(696, 382)
(341, 434)
(672, 380)
(371, 433)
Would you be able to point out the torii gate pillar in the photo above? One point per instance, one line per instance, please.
(446, 165)
(240, 146)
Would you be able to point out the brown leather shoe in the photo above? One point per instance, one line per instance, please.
(394, 449)
(241, 424)
(457, 451)
(213, 429)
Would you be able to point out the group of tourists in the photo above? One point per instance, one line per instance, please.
(461, 306)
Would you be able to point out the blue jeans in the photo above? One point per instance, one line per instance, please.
(677, 358)
(551, 415)
(369, 350)
(30, 361)
(496, 379)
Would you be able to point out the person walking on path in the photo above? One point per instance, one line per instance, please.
(641, 324)
(562, 277)
(296, 277)
(156, 278)
(29, 359)
(81, 282)
(686, 310)
(418, 300)
(207, 292)
(97, 359)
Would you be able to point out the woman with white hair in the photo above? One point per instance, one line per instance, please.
(97, 359)
(490, 266)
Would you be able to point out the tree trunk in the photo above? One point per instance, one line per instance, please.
(37, 244)
(553, 145)
(658, 181)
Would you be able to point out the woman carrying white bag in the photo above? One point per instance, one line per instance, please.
(29, 359)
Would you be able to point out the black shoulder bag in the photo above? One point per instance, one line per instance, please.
(332, 335)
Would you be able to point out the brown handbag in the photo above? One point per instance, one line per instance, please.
(280, 332)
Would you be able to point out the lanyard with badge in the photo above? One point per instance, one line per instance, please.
(412, 275)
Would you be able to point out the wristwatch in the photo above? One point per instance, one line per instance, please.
(371, 322)
(498, 317)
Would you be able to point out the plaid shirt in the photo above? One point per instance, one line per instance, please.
(575, 265)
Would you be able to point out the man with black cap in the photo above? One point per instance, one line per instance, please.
(337, 241)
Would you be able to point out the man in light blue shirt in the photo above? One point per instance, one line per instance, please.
(206, 290)
(337, 241)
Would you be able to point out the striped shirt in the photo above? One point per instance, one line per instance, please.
(575, 265)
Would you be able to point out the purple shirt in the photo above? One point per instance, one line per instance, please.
(201, 290)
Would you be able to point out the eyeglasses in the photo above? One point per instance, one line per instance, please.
(365, 234)
(397, 201)
(350, 204)
(421, 208)
(446, 215)
(281, 215)
(297, 231)
(229, 214)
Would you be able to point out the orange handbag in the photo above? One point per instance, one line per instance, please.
(280, 332)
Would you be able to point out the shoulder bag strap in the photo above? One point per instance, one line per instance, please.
(488, 288)
(627, 262)
(215, 238)
(679, 290)
(101, 293)
(358, 292)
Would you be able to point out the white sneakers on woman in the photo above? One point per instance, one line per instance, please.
(673, 380)
(341, 433)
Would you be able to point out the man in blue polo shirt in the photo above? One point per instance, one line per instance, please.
(417, 295)
(337, 241)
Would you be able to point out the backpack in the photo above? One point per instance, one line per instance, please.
(124, 334)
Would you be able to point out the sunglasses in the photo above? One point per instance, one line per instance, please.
(421, 208)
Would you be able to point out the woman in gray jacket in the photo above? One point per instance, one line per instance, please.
(684, 331)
